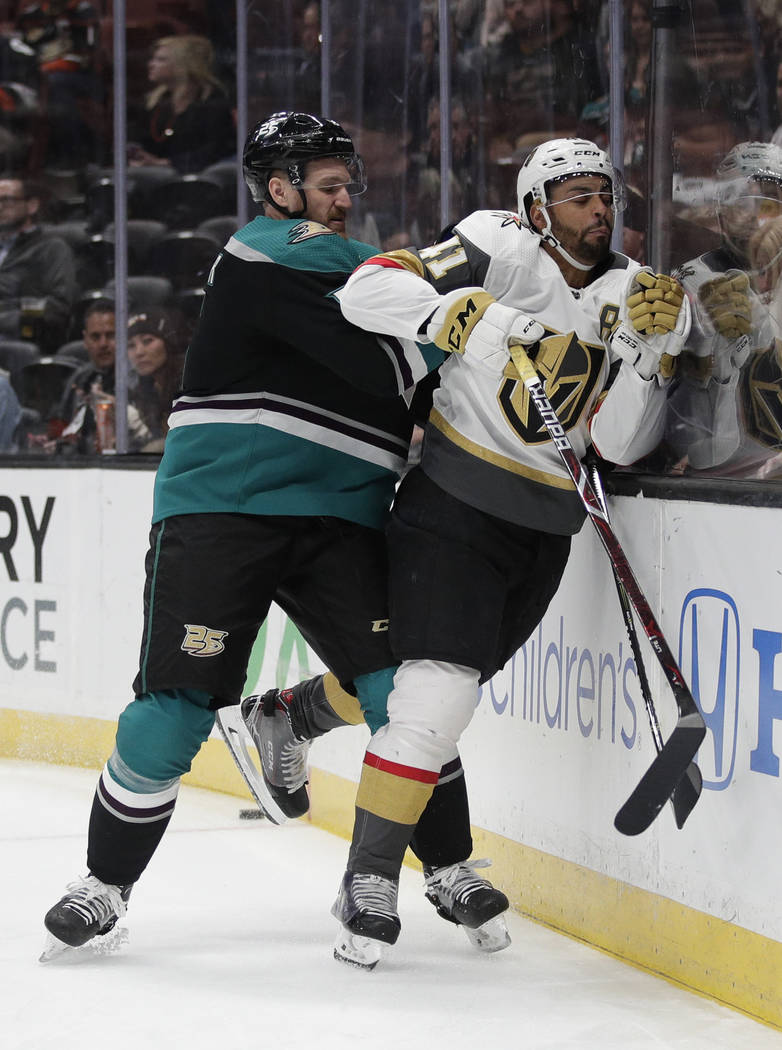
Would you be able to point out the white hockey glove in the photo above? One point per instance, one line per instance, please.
(471, 322)
(726, 303)
(656, 324)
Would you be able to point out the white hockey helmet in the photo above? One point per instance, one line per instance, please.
(751, 160)
(554, 161)
(749, 191)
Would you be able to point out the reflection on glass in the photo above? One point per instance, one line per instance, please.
(518, 72)
(726, 414)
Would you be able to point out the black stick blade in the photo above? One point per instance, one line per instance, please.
(687, 793)
(662, 777)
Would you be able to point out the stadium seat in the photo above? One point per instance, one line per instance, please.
(74, 350)
(95, 261)
(189, 301)
(184, 257)
(99, 204)
(15, 354)
(221, 228)
(185, 202)
(144, 290)
(74, 232)
(141, 235)
(41, 384)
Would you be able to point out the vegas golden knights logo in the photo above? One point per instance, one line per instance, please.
(569, 369)
(761, 386)
(202, 641)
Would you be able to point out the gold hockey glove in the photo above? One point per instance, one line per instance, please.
(655, 326)
(727, 304)
(471, 322)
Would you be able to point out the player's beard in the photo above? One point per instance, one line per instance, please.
(575, 242)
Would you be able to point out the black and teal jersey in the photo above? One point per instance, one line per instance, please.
(286, 408)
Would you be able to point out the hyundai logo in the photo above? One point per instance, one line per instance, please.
(709, 657)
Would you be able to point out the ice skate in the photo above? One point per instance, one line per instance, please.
(366, 907)
(280, 786)
(89, 909)
(470, 901)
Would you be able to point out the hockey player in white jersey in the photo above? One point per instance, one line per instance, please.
(725, 415)
(480, 531)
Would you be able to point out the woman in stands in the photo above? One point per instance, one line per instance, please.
(156, 354)
(189, 122)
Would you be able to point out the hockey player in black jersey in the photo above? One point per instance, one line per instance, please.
(284, 449)
(480, 531)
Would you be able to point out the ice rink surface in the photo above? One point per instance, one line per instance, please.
(230, 949)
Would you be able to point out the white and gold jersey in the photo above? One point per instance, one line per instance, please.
(485, 442)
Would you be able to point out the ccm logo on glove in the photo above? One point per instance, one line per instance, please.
(470, 322)
(462, 314)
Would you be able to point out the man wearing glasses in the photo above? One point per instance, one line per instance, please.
(37, 271)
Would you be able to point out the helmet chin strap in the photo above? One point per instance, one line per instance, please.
(548, 237)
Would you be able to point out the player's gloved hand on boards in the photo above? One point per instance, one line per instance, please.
(471, 322)
(726, 303)
(656, 322)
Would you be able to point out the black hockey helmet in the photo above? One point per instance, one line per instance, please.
(287, 141)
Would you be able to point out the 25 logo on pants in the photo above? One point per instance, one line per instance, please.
(202, 641)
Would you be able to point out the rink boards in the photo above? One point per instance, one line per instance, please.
(559, 739)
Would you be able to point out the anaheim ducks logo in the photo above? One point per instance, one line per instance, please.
(762, 396)
(569, 369)
(307, 229)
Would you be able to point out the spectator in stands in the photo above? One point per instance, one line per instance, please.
(538, 75)
(157, 353)
(189, 124)
(634, 225)
(10, 414)
(463, 180)
(594, 118)
(307, 71)
(424, 82)
(100, 343)
(156, 356)
(37, 271)
(62, 34)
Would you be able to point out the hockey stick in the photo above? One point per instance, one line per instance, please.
(661, 778)
(688, 790)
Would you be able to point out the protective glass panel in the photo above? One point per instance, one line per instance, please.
(443, 101)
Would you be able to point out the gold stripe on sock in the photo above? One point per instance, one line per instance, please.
(392, 797)
(345, 706)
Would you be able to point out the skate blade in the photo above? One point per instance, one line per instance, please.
(236, 736)
(362, 952)
(110, 943)
(493, 936)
